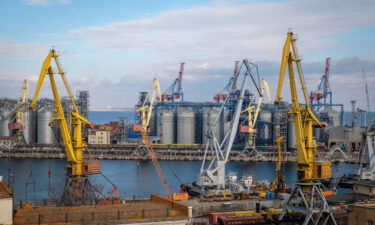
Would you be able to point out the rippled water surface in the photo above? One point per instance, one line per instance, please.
(132, 177)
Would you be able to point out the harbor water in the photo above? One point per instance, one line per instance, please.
(133, 178)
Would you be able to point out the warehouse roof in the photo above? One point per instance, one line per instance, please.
(368, 206)
(365, 182)
(348, 198)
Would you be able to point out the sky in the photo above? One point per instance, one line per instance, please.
(115, 48)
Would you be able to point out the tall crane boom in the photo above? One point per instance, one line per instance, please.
(278, 185)
(22, 99)
(147, 106)
(77, 188)
(307, 196)
(146, 111)
(212, 176)
(235, 76)
(180, 76)
(252, 115)
(304, 118)
(19, 123)
(366, 92)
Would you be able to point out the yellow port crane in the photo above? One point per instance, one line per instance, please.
(147, 107)
(78, 189)
(19, 123)
(278, 185)
(252, 115)
(303, 117)
(307, 197)
(146, 110)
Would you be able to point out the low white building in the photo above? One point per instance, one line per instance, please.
(99, 137)
(7, 141)
(6, 203)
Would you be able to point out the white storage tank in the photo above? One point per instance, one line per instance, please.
(29, 126)
(265, 130)
(4, 131)
(208, 119)
(291, 139)
(333, 117)
(265, 115)
(152, 124)
(185, 126)
(165, 126)
(45, 134)
(226, 124)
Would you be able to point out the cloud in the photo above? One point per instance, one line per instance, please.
(202, 83)
(17, 50)
(123, 57)
(228, 30)
(45, 2)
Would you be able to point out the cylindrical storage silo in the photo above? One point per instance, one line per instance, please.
(44, 131)
(208, 120)
(29, 126)
(152, 124)
(291, 139)
(4, 130)
(265, 130)
(185, 126)
(225, 124)
(265, 116)
(165, 126)
(280, 125)
(317, 133)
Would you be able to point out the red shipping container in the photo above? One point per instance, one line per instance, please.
(237, 220)
(15, 126)
(137, 128)
(244, 129)
(212, 218)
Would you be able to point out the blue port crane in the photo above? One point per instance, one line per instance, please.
(230, 88)
(323, 90)
(175, 90)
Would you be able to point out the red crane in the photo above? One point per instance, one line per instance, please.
(175, 90)
(231, 87)
(323, 90)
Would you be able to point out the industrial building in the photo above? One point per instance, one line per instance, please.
(188, 123)
(361, 214)
(99, 137)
